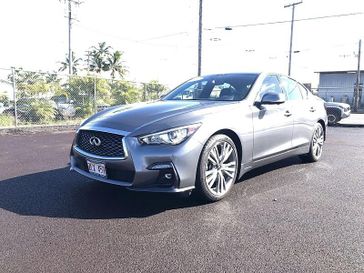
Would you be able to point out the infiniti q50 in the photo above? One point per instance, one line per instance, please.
(203, 135)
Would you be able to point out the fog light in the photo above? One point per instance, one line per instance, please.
(168, 176)
(167, 173)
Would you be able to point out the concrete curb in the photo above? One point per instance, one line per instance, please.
(21, 130)
(348, 125)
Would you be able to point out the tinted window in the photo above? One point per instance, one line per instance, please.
(304, 90)
(269, 85)
(231, 87)
(291, 88)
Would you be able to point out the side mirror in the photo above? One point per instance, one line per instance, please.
(270, 98)
(273, 98)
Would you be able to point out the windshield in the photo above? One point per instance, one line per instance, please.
(229, 87)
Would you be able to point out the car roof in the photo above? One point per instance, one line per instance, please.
(232, 74)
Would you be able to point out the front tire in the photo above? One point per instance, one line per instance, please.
(316, 145)
(218, 168)
(333, 116)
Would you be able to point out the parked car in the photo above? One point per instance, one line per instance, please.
(25, 108)
(2, 108)
(336, 111)
(64, 106)
(203, 135)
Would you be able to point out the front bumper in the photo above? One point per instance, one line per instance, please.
(154, 168)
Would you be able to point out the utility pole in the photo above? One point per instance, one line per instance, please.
(293, 5)
(69, 4)
(70, 70)
(357, 94)
(14, 96)
(199, 39)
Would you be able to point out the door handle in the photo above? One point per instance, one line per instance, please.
(287, 113)
(312, 109)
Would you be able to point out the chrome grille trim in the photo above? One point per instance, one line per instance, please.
(92, 156)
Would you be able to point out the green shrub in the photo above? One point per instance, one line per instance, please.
(41, 111)
(6, 120)
(84, 111)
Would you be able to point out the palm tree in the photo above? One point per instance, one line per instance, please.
(98, 56)
(76, 62)
(115, 64)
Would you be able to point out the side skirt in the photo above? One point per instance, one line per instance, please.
(302, 149)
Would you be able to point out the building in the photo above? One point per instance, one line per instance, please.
(339, 86)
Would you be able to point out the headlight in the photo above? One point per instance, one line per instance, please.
(173, 136)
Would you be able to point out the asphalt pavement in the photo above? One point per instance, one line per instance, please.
(286, 217)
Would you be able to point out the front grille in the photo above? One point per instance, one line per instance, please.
(111, 145)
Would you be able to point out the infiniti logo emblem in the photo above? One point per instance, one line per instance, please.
(95, 141)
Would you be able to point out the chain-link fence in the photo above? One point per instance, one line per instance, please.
(342, 94)
(29, 98)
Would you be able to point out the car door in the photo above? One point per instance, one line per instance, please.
(273, 124)
(303, 111)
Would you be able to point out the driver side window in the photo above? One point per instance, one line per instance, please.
(269, 85)
(291, 88)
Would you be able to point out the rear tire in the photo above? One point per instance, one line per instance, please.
(218, 168)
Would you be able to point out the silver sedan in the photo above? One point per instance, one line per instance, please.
(203, 135)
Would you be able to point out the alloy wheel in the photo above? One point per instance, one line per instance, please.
(318, 141)
(331, 118)
(221, 168)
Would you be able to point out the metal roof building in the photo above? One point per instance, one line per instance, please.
(339, 86)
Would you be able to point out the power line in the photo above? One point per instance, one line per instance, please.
(163, 36)
(135, 41)
(288, 21)
(144, 41)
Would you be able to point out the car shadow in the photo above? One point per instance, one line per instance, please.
(61, 194)
(64, 194)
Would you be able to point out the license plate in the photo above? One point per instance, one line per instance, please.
(96, 168)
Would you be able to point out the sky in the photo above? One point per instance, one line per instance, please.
(159, 37)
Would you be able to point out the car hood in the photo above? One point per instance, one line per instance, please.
(344, 105)
(130, 118)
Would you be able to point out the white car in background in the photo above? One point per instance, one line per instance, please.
(67, 110)
(336, 111)
(2, 108)
(64, 106)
